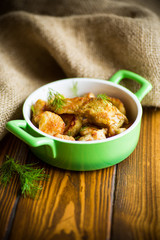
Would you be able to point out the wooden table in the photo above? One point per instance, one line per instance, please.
(120, 202)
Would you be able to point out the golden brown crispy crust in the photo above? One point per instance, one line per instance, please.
(90, 133)
(102, 113)
(65, 137)
(107, 114)
(89, 95)
(71, 105)
(51, 123)
(73, 124)
(118, 103)
(39, 107)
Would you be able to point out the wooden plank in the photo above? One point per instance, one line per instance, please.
(72, 205)
(137, 195)
(9, 195)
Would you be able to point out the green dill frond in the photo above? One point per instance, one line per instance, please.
(56, 99)
(77, 137)
(74, 89)
(103, 96)
(32, 108)
(6, 171)
(28, 176)
(51, 93)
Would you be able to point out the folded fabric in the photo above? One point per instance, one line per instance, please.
(37, 49)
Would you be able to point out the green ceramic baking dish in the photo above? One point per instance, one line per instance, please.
(77, 155)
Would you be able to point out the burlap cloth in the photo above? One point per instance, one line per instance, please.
(41, 41)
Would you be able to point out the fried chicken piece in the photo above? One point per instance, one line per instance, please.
(92, 133)
(118, 103)
(65, 137)
(73, 124)
(70, 106)
(38, 107)
(102, 113)
(90, 129)
(89, 95)
(120, 130)
(112, 131)
(51, 123)
(98, 111)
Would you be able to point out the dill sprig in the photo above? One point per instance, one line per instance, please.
(74, 89)
(28, 176)
(32, 108)
(56, 99)
(103, 96)
(77, 137)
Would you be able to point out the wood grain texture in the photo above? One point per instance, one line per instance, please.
(137, 195)
(9, 195)
(73, 205)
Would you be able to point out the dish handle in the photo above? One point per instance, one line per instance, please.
(145, 85)
(18, 128)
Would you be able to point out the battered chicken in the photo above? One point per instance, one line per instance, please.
(70, 106)
(65, 137)
(73, 124)
(118, 103)
(90, 129)
(92, 133)
(38, 108)
(106, 116)
(102, 113)
(97, 111)
(51, 123)
(89, 95)
(112, 130)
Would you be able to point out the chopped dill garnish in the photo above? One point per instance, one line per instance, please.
(56, 99)
(77, 137)
(32, 108)
(74, 89)
(103, 96)
(28, 176)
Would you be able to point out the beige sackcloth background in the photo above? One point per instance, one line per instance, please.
(42, 41)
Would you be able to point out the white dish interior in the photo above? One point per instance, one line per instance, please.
(85, 85)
